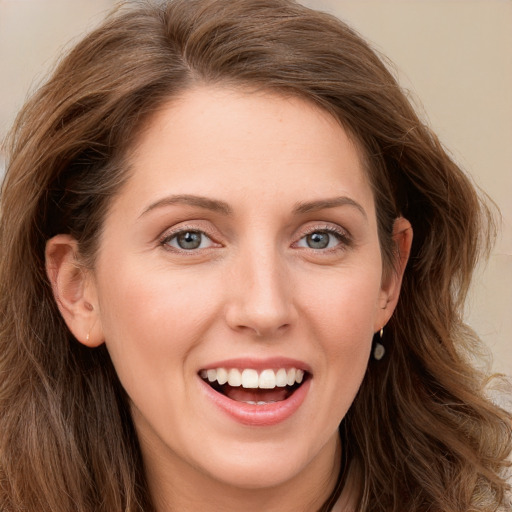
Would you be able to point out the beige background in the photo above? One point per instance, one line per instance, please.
(455, 55)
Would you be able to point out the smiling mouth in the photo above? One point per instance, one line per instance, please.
(253, 387)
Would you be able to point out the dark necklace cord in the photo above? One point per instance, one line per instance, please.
(340, 482)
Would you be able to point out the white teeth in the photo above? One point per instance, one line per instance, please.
(234, 378)
(281, 378)
(291, 376)
(250, 379)
(267, 379)
(222, 376)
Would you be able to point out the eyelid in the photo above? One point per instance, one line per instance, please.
(333, 228)
(171, 233)
(342, 234)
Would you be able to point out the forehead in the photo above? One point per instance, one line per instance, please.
(214, 140)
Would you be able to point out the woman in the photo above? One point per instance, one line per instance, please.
(209, 214)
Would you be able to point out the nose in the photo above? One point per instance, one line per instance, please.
(261, 296)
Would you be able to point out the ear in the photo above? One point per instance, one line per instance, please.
(392, 279)
(73, 290)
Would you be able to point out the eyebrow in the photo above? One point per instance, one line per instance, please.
(223, 208)
(190, 200)
(322, 204)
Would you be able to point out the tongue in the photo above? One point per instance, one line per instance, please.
(241, 394)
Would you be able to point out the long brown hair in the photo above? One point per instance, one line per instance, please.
(421, 430)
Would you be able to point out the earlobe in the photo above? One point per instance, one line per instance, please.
(73, 290)
(402, 237)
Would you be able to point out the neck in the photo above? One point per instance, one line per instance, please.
(347, 502)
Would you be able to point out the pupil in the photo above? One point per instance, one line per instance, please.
(189, 240)
(318, 240)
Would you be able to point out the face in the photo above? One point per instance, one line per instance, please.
(238, 285)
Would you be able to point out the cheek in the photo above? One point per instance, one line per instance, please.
(145, 297)
(339, 312)
(150, 319)
(343, 319)
(345, 303)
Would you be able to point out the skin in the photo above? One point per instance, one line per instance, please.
(253, 289)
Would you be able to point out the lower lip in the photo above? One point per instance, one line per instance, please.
(258, 415)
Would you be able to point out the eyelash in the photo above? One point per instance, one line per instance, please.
(341, 235)
(167, 237)
(345, 240)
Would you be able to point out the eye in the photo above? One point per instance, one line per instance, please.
(321, 239)
(188, 240)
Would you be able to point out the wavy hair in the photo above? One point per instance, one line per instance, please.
(421, 431)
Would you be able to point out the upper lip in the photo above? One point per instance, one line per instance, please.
(259, 364)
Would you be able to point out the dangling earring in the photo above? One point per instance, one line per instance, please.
(378, 348)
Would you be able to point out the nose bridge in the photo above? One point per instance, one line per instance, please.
(261, 300)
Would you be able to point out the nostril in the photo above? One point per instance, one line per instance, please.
(262, 330)
(263, 309)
